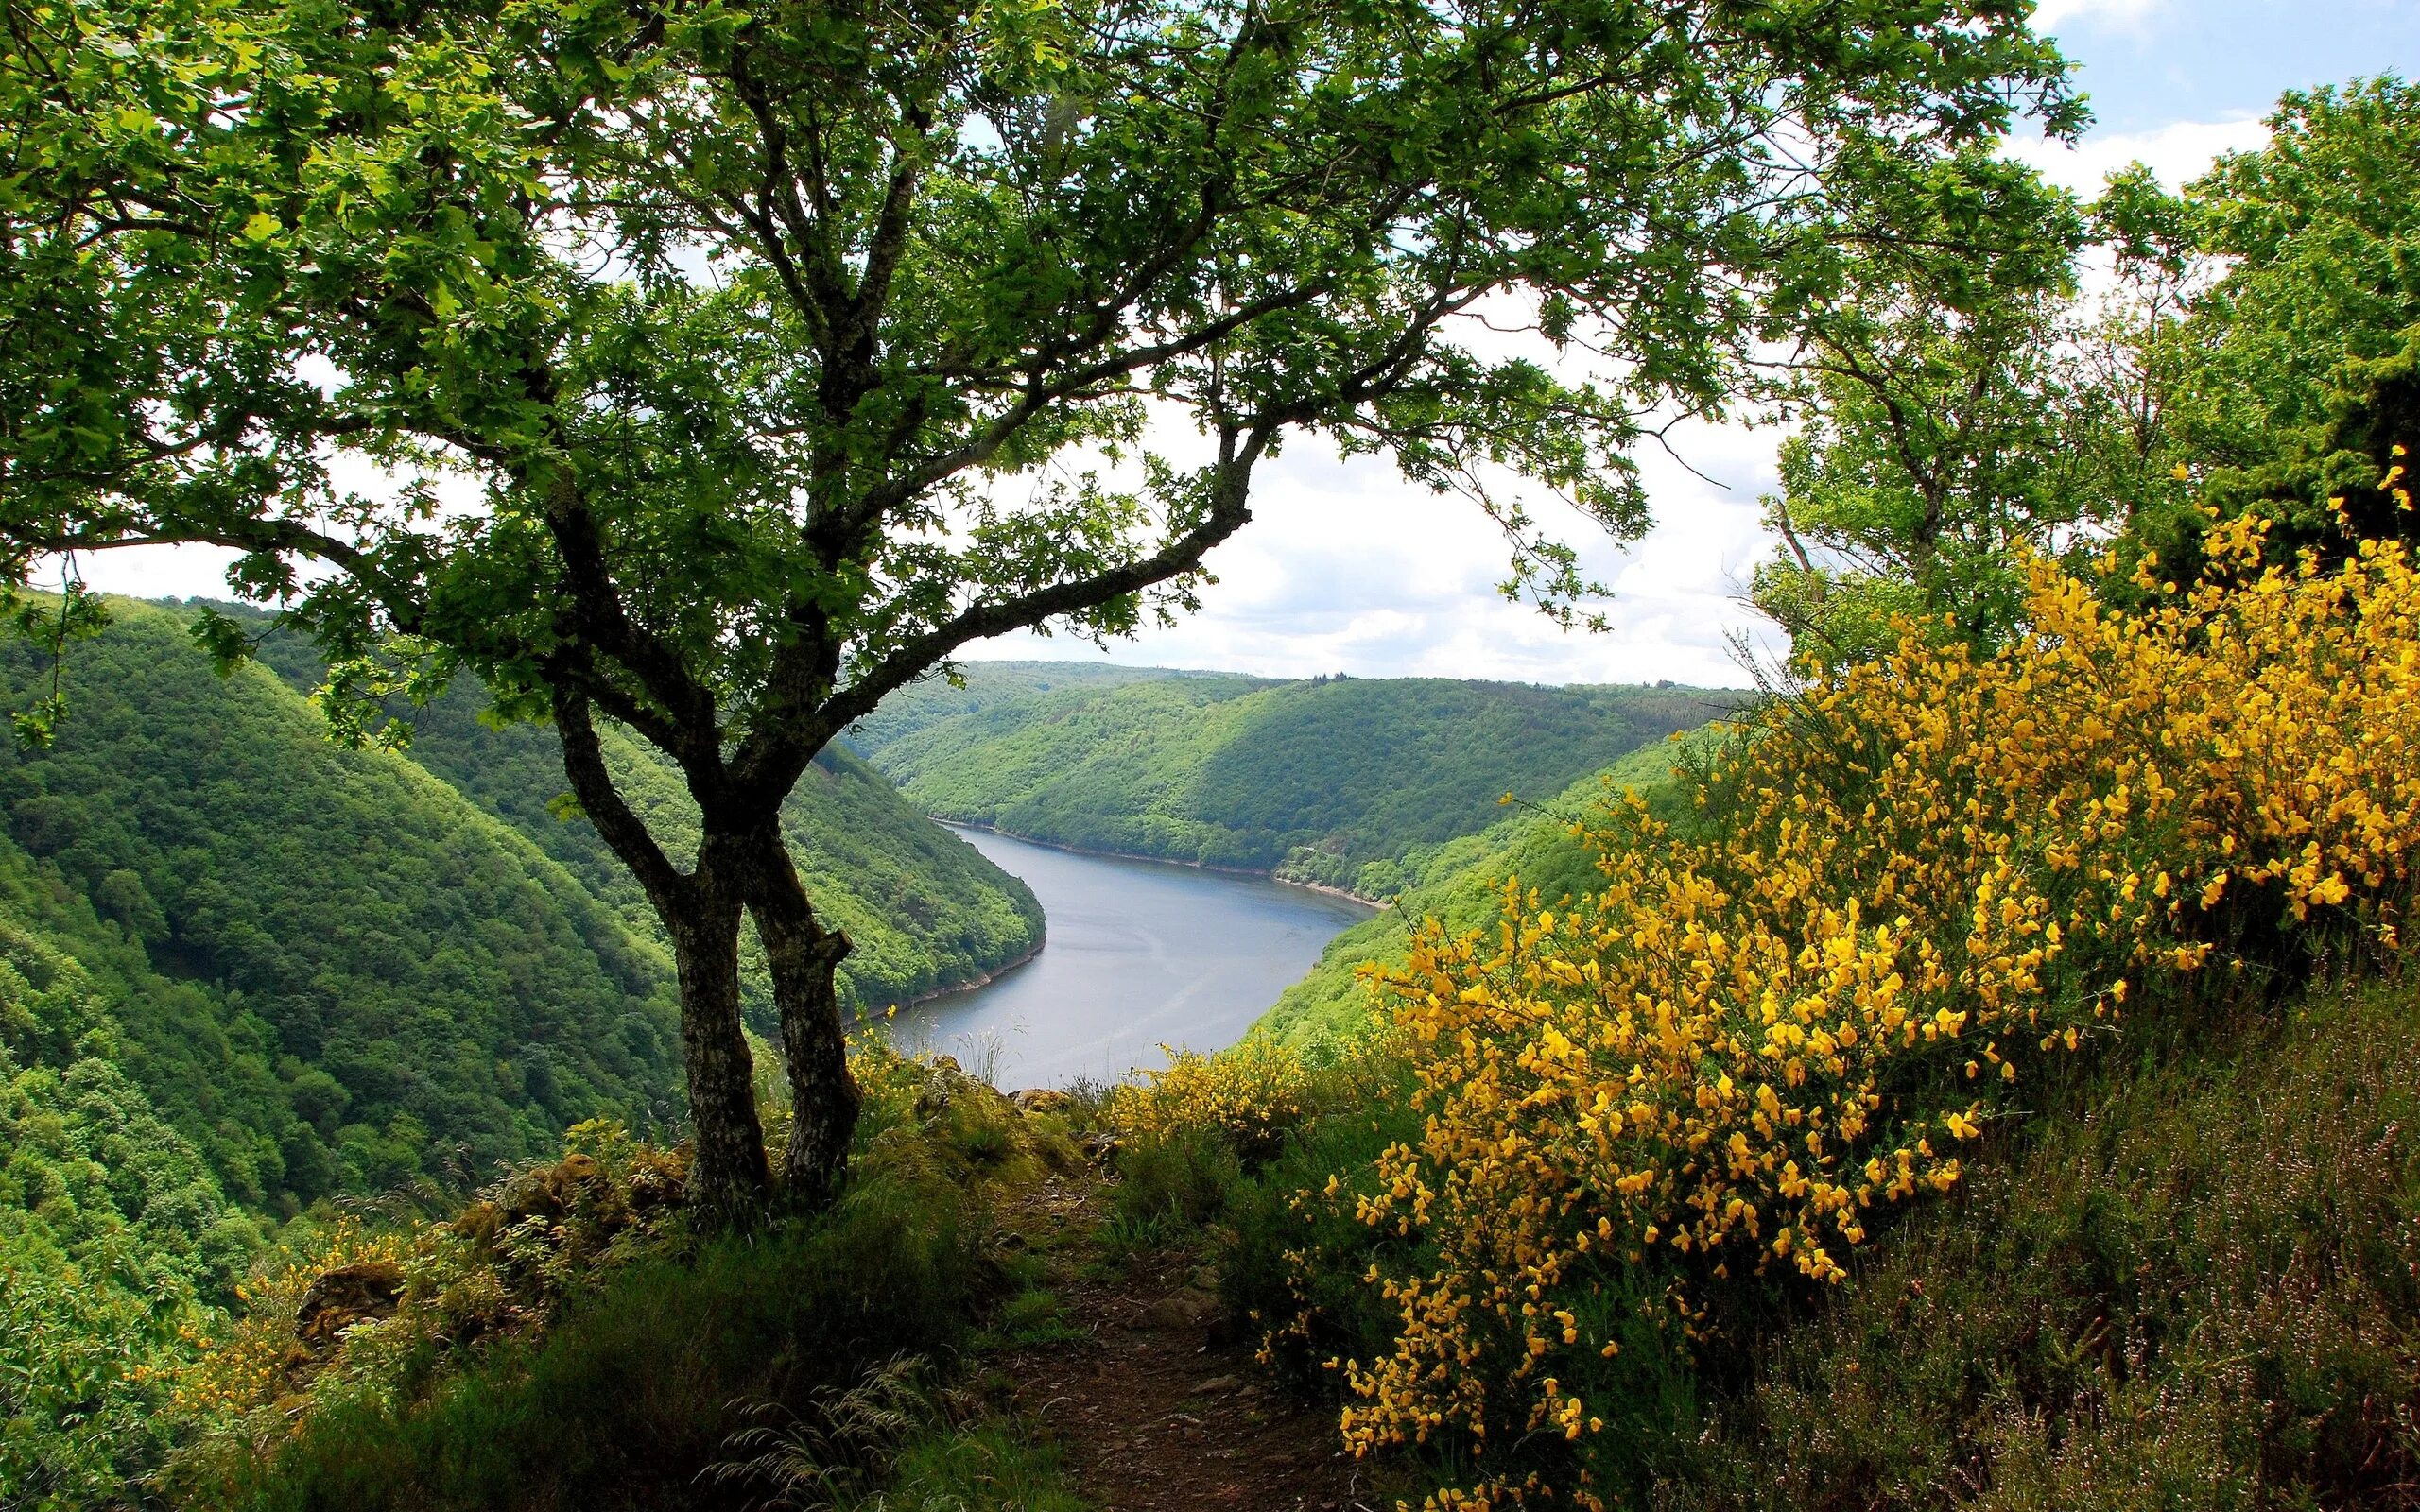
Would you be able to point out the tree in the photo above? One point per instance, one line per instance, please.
(1934, 389)
(792, 347)
(2250, 349)
(2294, 383)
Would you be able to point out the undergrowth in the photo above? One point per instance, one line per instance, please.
(1616, 1144)
(556, 1347)
(2200, 1290)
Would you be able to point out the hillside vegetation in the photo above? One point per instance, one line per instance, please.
(1347, 783)
(1976, 1075)
(244, 970)
(2196, 1287)
(336, 974)
(977, 685)
(1460, 885)
(1892, 925)
(924, 911)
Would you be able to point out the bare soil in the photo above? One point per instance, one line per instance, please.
(1159, 1406)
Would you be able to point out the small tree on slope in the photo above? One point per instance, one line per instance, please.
(768, 332)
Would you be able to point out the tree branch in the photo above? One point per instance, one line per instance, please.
(593, 785)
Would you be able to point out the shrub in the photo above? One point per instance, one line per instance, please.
(1755, 1040)
(1183, 1175)
(569, 1341)
(1250, 1095)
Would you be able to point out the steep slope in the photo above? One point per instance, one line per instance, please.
(925, 910)
(2194, 1283)
(1341, 781)
(1458, 883)
(983, 684)
(333, 971)
(112, 1223)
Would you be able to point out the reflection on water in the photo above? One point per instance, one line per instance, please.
(1140, 953)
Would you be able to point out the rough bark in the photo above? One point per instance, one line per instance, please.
(804, 958)
(701, 912)
(727, 1173)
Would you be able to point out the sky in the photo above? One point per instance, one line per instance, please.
(1346, 568)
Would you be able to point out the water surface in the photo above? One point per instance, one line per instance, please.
(1140, 953)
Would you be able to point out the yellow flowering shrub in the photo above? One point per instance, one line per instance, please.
(253, 1359)
(1252, 1092)
(1768, 1027)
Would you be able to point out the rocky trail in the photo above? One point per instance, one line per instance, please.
(1157, 1404)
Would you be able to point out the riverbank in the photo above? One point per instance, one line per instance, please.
(1373, 904)
(1142, 955)
(977, 983)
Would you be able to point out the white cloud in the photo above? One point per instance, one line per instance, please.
(153, 572)
(1347, 568)
(2178, 152)
(2131, 15)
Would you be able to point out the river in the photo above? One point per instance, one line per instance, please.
(1138, 954)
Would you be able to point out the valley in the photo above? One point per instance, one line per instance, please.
(563, 981)
(1141, 954)
(1354, 783)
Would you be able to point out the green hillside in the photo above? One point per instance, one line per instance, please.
(113, 1224)
(1341, 781)
(1456, 882)
(341, 970)
(2195, 1286)
(336, 974)
(983, 684)
(924, 909)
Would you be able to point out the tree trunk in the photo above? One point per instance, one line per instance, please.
(804, 957)
(701, 913)
(727, 1173)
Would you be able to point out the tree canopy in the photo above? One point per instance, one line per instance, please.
(2250, 346)
(784, 349)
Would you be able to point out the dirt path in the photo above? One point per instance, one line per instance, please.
(1157, 1409)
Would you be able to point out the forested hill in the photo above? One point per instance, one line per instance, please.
(924, 910)
(1344, 782)
(328, 970)
(975, 685)
(339, 970)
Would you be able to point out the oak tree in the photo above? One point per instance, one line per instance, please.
(779, 350)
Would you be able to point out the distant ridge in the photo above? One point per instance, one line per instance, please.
(1341, 781)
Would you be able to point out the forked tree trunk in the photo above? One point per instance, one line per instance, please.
(727, 1173)
(804, 958)
(742, 867)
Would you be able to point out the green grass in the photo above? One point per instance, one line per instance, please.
(991, 1468)
(1032, 1317)
(2197, 1286)
(639, 1386)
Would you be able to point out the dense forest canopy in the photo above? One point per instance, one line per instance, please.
(361, 976)
(246, 974)
(968, 686)
(1341, 781)
(1460, 885)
